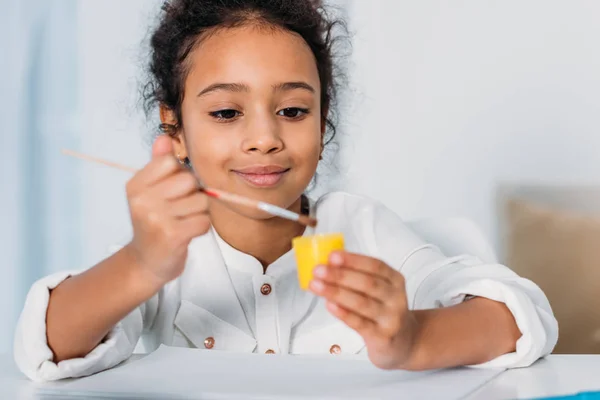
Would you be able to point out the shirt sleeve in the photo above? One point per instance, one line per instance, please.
(434, 280)
(34, 357)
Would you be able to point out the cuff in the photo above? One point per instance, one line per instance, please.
(35, 358)
(534, 342)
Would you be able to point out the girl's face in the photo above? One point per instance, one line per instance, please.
(252, 114)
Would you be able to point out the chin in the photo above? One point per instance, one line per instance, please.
(275, 197)
(248, 212)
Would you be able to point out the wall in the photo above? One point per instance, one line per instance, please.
(113, 123)
(450, 98)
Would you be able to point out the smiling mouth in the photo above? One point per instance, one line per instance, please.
(262, 176)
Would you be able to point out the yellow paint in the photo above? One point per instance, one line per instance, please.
(312, 251)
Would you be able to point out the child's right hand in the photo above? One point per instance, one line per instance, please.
(167, 212)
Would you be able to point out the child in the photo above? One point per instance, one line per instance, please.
(245, 90)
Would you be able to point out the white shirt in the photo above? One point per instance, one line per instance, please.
(258, 292)
(223, 301)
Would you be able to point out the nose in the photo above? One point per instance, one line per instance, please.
(263, 137)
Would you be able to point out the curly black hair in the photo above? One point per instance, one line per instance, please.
(183, 24)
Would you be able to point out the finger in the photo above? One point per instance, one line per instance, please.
(357, 281)
(196, 203)
(162, 146)
(386, 328)
(182, 184)
(364, 326)
(362, 263)
(155, 171)
(194, 226)
(361, 304)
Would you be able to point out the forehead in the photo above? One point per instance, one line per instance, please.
(254, 55)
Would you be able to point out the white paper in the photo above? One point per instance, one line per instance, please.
(179, 373)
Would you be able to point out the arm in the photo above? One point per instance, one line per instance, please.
(406, 297)
(371, 297)
(435, 282)
(167, 212)
(84, 308)
(78, 324)
(472, 332)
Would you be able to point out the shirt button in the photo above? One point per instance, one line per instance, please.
(265, 289)
(209, 342)
(335, 349)
(270, 351)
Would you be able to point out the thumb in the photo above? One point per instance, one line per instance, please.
(162, 146)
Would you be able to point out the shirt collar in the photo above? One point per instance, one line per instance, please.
(242, 262)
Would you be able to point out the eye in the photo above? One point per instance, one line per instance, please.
(293, 112)
(225, 115)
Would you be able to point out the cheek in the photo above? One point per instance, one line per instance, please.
(209, 155)
(305, 143)
(208, 151)
(304, 148)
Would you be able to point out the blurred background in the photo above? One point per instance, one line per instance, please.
(481, 109)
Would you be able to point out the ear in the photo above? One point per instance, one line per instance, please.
(323, 130)
(168, 117)
(324, 114)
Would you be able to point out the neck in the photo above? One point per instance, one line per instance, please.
(264, 239)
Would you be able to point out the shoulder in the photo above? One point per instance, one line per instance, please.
(361, 210)
(367, 223)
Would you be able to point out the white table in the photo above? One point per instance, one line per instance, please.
(553, 376)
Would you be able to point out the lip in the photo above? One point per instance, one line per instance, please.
(262, 175)
(261, 170)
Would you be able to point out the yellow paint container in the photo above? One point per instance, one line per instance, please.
(312, 251)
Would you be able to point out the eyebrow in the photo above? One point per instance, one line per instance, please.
(230, 87)
(241, 87)
(287, 86)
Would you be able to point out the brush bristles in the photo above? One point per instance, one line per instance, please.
(307, 221)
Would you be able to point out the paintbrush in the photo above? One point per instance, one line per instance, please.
(215, 193)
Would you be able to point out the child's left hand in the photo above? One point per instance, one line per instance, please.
(370, 297)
